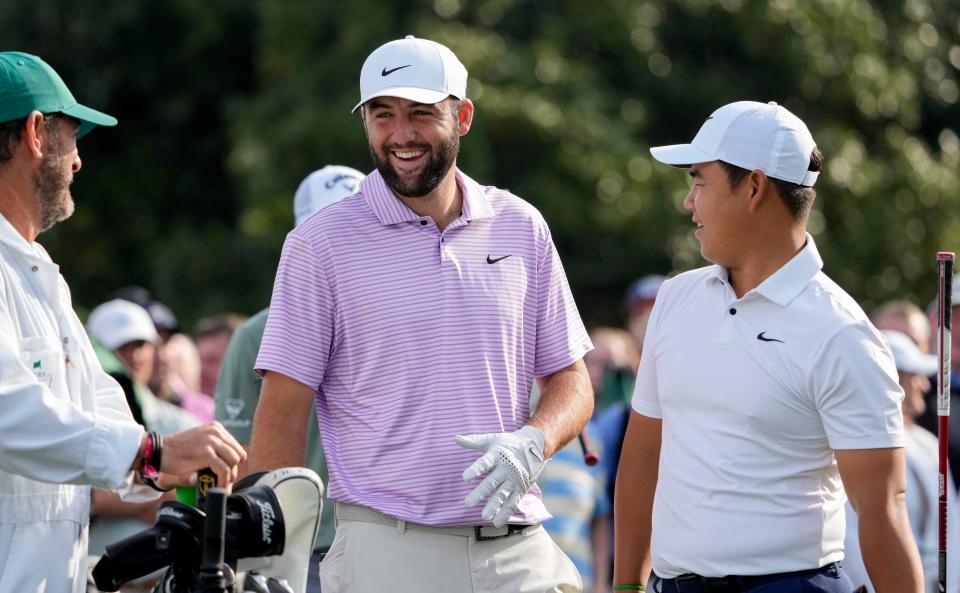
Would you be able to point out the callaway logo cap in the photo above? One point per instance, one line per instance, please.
(416, 69)
(750, 135)
(324, 187)
(28, 84)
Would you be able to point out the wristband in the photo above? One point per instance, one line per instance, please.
(629, 588)
(150, 465)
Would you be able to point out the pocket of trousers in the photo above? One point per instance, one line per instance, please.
(331, 567)
(578, 580)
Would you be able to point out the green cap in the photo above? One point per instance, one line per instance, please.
(27, 83)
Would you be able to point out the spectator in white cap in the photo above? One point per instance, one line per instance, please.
(238, 386)
(763, 392)
(126, 328)
(922, 493)
(412, 319)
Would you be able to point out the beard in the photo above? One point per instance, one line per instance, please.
(432, 174)
(53, 188)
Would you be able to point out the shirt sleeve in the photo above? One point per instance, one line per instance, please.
(646, 392)
(48, 436)
(238, 386)
(299, 336)
(856, 391)
(561, 337)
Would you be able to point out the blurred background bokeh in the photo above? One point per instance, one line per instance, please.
(225, 106)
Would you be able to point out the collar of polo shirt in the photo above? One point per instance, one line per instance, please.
(789, 281)
(390, 210)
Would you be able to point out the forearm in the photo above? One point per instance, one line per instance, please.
(633, 501)
(889, 551)
(280, 424)
(875, 482)
(565, 406)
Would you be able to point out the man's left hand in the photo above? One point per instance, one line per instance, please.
(512, 462)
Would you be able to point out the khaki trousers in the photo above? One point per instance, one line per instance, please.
(369, 558)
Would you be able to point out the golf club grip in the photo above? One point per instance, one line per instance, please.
(590, 456)
(945, 261)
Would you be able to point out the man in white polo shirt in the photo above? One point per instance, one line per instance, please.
(414, 316)
(763, 392)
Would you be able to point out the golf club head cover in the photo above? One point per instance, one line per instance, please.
(255, 525)
(174, 538)
(293, 506)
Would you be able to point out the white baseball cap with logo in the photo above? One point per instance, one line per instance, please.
(420, 70)
(120, 322)
(750, 135)
(324, 187)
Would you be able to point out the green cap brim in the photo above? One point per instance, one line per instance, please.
(89, 118)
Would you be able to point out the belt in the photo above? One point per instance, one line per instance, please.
(353, 512)
(694, 583)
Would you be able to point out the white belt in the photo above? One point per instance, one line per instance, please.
(352, 512)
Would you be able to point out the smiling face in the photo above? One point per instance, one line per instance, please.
(719, 212)
(414, 145)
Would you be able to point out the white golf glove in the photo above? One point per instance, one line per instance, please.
(512, 462)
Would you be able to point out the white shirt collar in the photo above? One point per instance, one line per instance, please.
(14, 239)
(788, 282)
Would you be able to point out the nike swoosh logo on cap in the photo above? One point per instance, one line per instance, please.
(386, 72)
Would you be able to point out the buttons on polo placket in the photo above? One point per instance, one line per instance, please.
(444, 254)
(724, 331)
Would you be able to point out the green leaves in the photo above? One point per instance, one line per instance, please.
(225, 107)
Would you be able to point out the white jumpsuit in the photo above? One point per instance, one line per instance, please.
(64, 426)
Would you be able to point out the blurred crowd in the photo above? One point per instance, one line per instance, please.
(168, 376)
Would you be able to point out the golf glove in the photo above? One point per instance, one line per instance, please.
(512, 461)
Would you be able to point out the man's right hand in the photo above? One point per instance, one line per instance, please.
(210, 446)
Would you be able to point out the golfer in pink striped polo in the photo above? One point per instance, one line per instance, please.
(415, 315)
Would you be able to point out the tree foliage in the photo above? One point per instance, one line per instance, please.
(225, 107)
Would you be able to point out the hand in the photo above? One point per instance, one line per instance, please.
(210, 446)
(513, 461)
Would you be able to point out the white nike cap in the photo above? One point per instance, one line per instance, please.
(120, 322)
(750, 135)
(416, 69)
(324, 187)
(907, 356)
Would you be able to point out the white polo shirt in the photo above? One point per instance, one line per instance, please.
(755, 394)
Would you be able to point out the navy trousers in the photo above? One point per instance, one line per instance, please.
(828, 579)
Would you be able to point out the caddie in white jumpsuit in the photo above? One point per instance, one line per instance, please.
(64, 423)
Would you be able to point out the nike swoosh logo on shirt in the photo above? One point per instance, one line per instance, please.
(493, 260)
(763, 338)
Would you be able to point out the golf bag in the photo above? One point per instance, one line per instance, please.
(267, 528)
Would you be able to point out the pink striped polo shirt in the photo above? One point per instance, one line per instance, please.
(411, 336)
